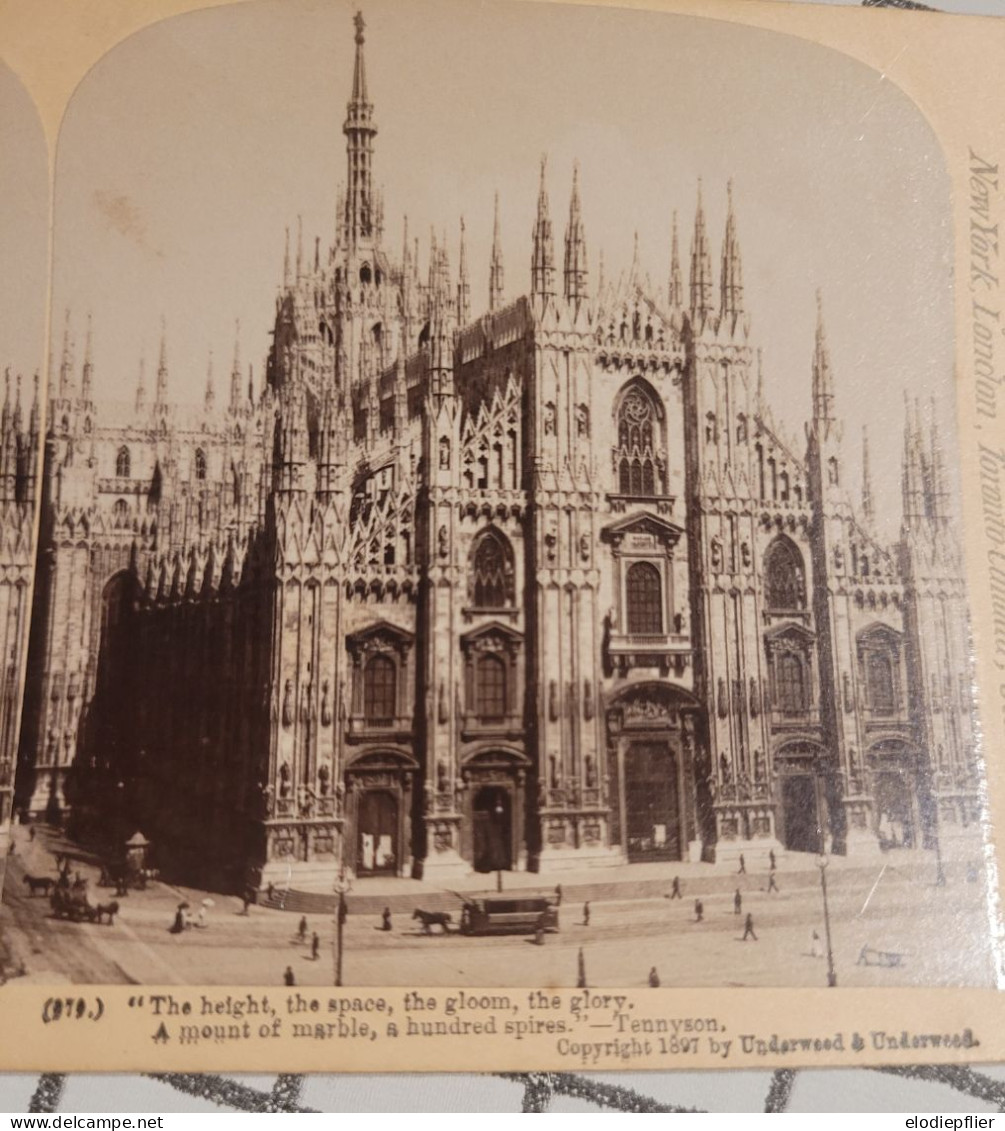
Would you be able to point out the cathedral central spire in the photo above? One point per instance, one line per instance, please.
(823, 381)
(359, 130)
(543, 262)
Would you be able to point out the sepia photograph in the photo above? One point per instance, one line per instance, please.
(498, 515)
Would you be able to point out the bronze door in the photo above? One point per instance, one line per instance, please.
(652, 802)
(802, 822)
(492, 830)
(377, 833)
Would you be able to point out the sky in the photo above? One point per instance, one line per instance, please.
(24, 220)
(188, 150)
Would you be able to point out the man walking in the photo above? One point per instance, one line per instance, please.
(586, 913)
(772, 882)
(675, 892)
(302, 929)
(316, 945)
(742, 870)
(654, 978)
(771, 859)
(748, 928)
(288, 977)
(699, 910)
(737, 902)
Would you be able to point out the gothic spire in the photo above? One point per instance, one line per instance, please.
(88, 371)
(141, 387)
(300, 247)
(496, 288)
(36, 407)
(463, 284)
(359, 130)
(235, 372)
(66, 364)
(731, 282)
(675, 290)
(701, 265)
(823, 381)
(210, 397)
(868, 508)
(286, 259)
(913, 470)
(937, 503)
(575, 246)
(160, 399)
(542, 269)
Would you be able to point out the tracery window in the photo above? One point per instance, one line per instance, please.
(879, 675)
(492, 580)
(784, 576)
(638, 472)
(200, 464)
(490, 688)
(123, 463)
(379, 690)
(644, 596)
(791, 684)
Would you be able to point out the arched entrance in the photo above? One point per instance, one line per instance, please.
(894, 810)
(652, 802)
(492, 830)
(377, 830)
(652, 730)
(801, 820)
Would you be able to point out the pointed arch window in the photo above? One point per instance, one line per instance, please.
(492, 572)
(637, 458)
(200, 464)
(784, 576)
(879, 674)
(123, 463)
(792, 685)
(644, 596)
(491, 691)
(379, 691)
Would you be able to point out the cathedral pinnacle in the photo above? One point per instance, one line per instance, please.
(160, 398)
(575, 246)
(675, 290)
(496, 287)
(66, 364)
(359, 130)
(141, 387)
(868, 508)
(823, 381)
(701, 266)
(731, 304)
(463, 284)
(88, 372)
(543, 260)
(235, 371)
(210, 398)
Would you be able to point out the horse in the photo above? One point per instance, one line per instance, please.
(109, 909)
(43, 884)
(430, 919)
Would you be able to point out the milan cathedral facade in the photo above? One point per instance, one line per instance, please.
(534, 586)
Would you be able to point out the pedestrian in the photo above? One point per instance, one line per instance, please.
(748, 928)
(654, 978)
(269, 891)
(288, 977)
(315, 946)
(586, 913)
(11, 848)
(772, 882)
(699, 911)
(558, 895)
(742, 870)
(178, 926)
(31, 833)
(246, 901)
(737, 902)
(385, 919)
(771, 859)
(302, 929)
(816, 950)
(675, 889)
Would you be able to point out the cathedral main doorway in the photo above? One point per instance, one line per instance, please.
(377, 833)
(492, 831)
(652, 804)
(801, 822)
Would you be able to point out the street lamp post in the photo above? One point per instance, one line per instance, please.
(499, 813)
(831, 973)
(342, 886)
